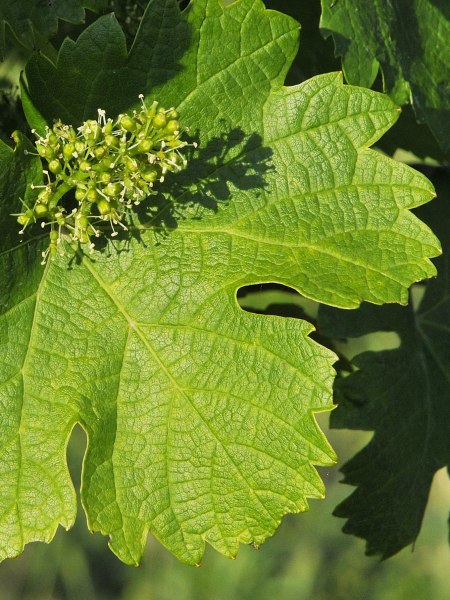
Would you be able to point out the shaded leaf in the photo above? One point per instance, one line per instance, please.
(403, 396)
(33, 22)
(409, 40)
(315, 54)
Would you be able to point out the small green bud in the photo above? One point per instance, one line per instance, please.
(107, 163)
(172, 114)
(128, 123)
(176, 159)
(91, 130)
(112, 189)
(85, 166)
(111, 141)
(55, 166)
(16, 136)
(80, 194)
(99, 152)
(44, 196)
(159, 120)
(151, 112)
(105, 177)
(108, 127)
(104, 207)
(49, 153)
(72, 134)
(92, 195)
(84, 237)
(82, 221)
(80, 147)
(26, 218)
(150, 175)
(131, 164)
(145, 146)
(68, 151)
(40, 210)
(142, 184)
(172, 126)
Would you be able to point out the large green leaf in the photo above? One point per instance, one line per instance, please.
(409, 39)
(199, 415)
(34, 21)
(403, 396)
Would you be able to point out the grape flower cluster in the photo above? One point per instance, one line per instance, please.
(110, 165)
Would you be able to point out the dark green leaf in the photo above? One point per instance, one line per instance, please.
(33, 22)
(315, 54)
(97, 72)
(409, 39)
(35, 120)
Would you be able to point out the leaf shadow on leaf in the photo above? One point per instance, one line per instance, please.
(232, 161)
(277, 299)
(229, 162)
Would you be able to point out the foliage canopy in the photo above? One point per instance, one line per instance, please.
(200, 415)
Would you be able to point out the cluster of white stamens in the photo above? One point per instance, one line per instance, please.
(110, 165)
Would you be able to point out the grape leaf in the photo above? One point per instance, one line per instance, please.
(34, 21)
(403, 396)
(316, 54)
(199, 415)
(409, 40)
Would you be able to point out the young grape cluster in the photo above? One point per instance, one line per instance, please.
(111, 165)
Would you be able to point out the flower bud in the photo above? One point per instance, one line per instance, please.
(68, 151)
(112, 189)
(92, 195)
(172, 126)
(55, 166)
(144, 146)
(105, 177)
(104, 207)
(128, 123)
(159, 120)
(150, 175)
(40, 210)
(80, 194)
(85, 166)
(49, 153)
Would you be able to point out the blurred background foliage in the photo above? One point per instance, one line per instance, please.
(309, 558)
